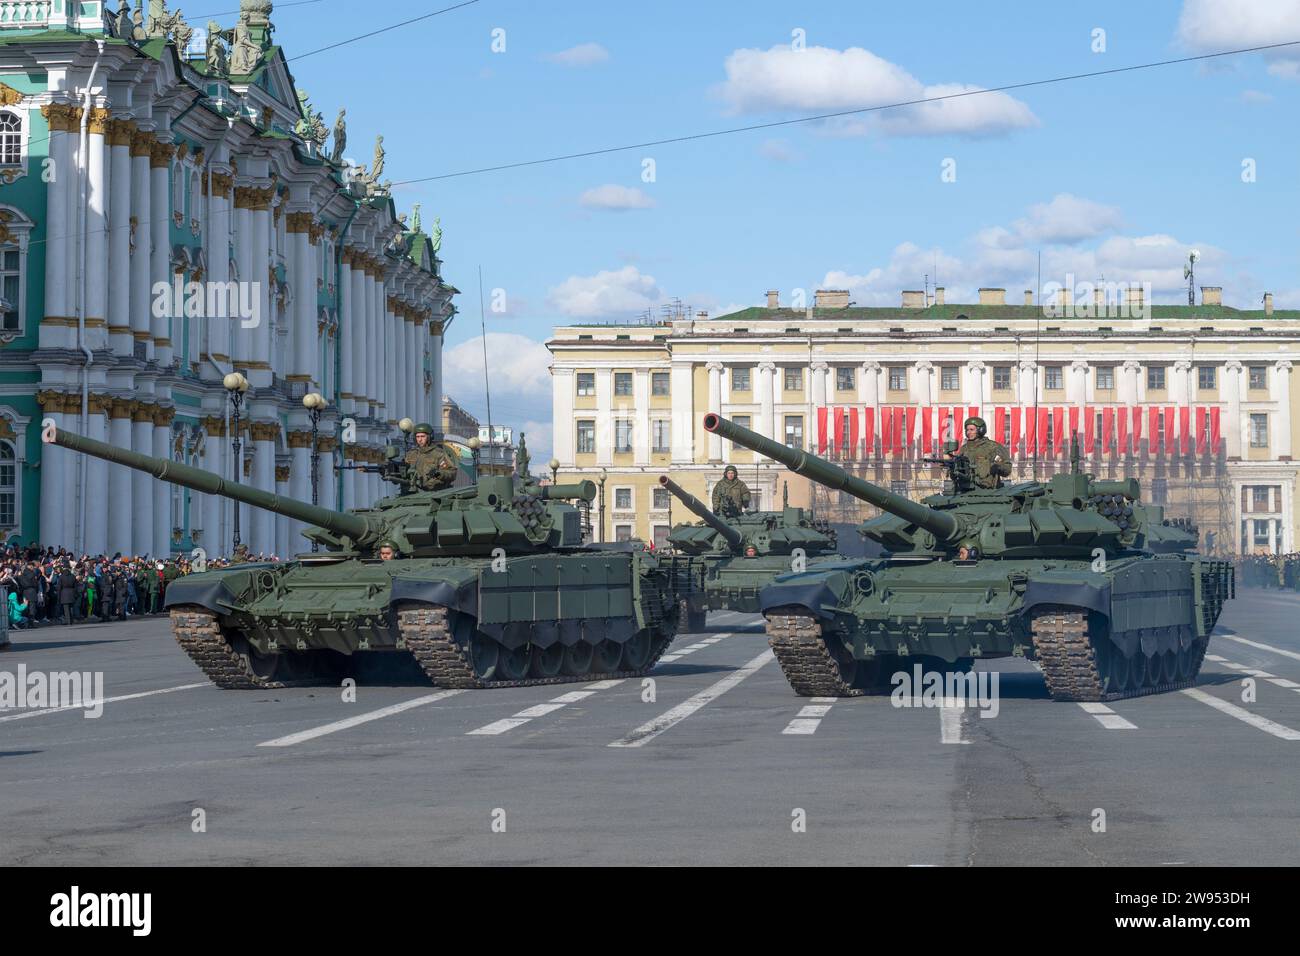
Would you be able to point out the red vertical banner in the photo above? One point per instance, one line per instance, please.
(1185, 429)
(837, 433)
(1089, 430)
(886, 430)
(900, 442)
(854, 450)
(974, 411)
(927, 431)
(909, 439)
(1153, 429)
(959, 425)
(1031, 433)
(1121, 429)
(1202, 428)
(1137, 430)
(1014, 412)
(1043, 415)
(999, 424)
(1215, 437)
(1074, 422)
(945, 423)
(1058, 429)
(1171, 429)
(1107, 428)
(821, 431)
(869, 432)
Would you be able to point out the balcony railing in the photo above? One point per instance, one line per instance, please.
(24, 14)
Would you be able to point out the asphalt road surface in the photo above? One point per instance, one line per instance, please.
(724, 765)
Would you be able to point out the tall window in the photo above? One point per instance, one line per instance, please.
(1054, 377)
(661, 434)
(586, 437)
(742, 420)
(623, 384)
(740, 379)
(11, 138)
(897, 378)
(623, 499)
(949, 378)
(658, 383)
(1002, 376)
(622, 434)
(1259, 498)
(793, 379)
(8, 487)
(622, 532)
(794, 431)
(660, 499)
(1105, 377)
(661, 536)
(1156, 378)
(586, 383)
(844, 378)
(1258, 376)
(1259, 431)
(10, 277)
(1205, 377)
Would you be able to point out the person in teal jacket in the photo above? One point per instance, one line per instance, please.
(17, 610)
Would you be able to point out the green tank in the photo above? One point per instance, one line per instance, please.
(492, 587)
(1073, 572)
(735, 558)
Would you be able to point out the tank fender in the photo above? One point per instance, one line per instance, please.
(1091, 591)
(455, 596)
(819, 591)
(218, 591)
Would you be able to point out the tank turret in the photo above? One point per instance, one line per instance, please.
(735, 540)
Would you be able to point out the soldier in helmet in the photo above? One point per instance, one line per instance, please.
(990, 461)
(240, 555)
(430, 466)
(388, 550)
(730, 495)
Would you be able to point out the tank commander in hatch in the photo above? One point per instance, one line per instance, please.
(429, 465)
(387, 551)
(990, 461)
(730, 495)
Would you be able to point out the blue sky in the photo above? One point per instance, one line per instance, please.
(1118, 175)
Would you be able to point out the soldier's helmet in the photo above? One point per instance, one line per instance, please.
(730, 472)
(980, 428)
(392, 545)
(424, 428)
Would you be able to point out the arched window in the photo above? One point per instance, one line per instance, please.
(8, 487)
(11, 138)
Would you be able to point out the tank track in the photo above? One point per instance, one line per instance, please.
(1069, 662)
(199, 635)
(428, 637)
(800, 649)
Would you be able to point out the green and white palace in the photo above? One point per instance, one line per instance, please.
(170, 213)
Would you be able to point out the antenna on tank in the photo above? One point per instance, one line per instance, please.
(487, 386)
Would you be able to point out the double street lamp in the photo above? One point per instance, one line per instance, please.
(315, 403)
(236, 385)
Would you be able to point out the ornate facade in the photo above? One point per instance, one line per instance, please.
(170, 214)
(1197, 402)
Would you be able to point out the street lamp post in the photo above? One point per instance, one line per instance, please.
(406, 426)
(475, 443)
(604, 476)
(315, 403)
(236, 385)
(554, 465)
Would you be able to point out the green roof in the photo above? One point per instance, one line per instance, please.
(955, 312)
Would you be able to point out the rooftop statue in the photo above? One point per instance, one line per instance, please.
(217, 58)
(340, 137)
(437, 234)
(415, 218)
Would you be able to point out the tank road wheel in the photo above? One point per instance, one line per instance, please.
(1187, 663)
(1167, 671)
(607, 655)
(264, 667)
(514, 665)
(484, 653)
(815, 664)
(200, 635)
(1117, 670)
(1138, 674)
(578, 659)
(636, 652)
(547, 662)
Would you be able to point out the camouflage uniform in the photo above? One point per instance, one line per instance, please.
(981, 452)
(431, 468)
(730, 495)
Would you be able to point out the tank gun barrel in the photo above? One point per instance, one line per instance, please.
(943, 526)
(355, 527)
(583, 490)
(733, 537)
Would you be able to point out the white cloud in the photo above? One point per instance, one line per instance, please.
(1211, 26)
(778, 150)
(622, 292)
(612, 196)
(584, 54)
(821, 79)
(1067, 219)
(518, 369)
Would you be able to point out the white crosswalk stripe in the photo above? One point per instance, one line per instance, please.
(43, 711)
(951, 712)
(810, 716)
(677, 655)
(1106, 717)
(1264, 647)
(350, 722)
(498, 727)
(1245, 716)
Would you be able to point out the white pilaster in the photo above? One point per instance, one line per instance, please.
(715, 406)
(1231, 424)
(1280, 386)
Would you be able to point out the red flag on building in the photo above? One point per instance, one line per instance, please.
(869, 432)
(1153, 429)
(1202, 428)
(1185, 429)
(1044, 447)
(900, 442)
(927, 430)
(975, 412)
(837, 434)
(821, 431)
(855, 450)
(1171, 430)
(999, 423)
(1214, 430)
(1107, 428)
(1058, 429)
(1031, 433)
(886, 430)
(1014, 412)
(1121, 429)
(909, 436)
(1137, 430)
(1074, 421)
(1089, 430)
(945, 423)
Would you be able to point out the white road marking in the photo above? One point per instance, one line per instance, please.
(649, 731)
(1263, 674)
(950, 715)
(1283, 682)
(1106, 717)
(1264, 647)
(669, 658)
(350, 722)
(1234, 665)
(677, 655)
(40, 712)
(1216, 658)
(498, 727)
(1232, 710)
(810, 716)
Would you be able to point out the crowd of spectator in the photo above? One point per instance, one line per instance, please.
(1269, 571)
